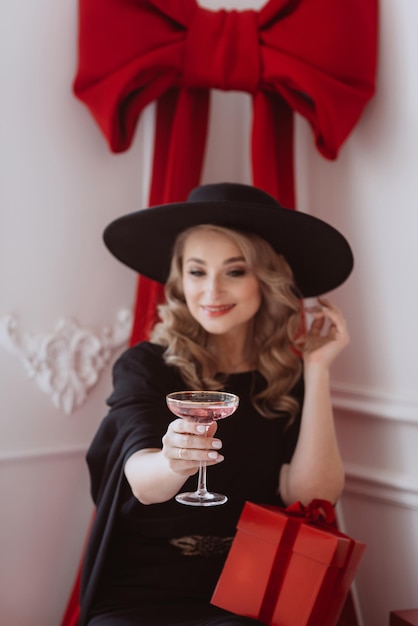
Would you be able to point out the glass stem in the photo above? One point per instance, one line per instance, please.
(201, 486)
(201, 481)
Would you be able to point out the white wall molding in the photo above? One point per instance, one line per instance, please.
(376, 404)
(65, 363)
(382, 486)
(42, 454)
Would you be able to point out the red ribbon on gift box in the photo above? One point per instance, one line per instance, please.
(318, 512)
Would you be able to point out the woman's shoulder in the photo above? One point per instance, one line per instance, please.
(141, 369)
(144, 360)
(142, 353)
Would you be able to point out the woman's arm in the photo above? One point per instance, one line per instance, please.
(156, 475)
(316, 469)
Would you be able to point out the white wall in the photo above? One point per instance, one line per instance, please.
(370, 193)
(60, 186)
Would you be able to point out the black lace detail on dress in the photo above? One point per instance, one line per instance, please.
(202, 545)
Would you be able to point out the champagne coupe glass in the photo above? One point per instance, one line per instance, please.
(204, 407)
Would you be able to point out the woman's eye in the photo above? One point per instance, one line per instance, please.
(237, 272)
(196, 272)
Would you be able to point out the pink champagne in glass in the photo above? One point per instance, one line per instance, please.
(204, 407)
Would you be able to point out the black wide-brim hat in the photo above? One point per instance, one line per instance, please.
(319, 255)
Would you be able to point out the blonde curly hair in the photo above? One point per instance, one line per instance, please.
(272, 340)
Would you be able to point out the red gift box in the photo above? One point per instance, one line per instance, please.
(288, 568)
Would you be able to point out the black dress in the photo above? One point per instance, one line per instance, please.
(158, 564)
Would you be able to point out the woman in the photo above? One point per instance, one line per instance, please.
(236, 266)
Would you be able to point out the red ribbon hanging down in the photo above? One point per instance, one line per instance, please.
(316, 57)
(313, 57)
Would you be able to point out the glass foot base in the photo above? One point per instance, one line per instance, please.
(193, 498)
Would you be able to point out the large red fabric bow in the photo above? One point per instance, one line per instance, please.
(315, 57)
(318, 55)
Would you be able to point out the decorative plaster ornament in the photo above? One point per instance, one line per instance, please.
(67, 362)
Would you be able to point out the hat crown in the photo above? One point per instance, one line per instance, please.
(231, 192)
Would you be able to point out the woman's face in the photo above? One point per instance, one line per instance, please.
(222, 293)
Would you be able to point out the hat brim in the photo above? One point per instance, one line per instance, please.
(319, 255)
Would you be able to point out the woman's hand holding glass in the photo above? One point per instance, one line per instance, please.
(203, 408)
(185, 446)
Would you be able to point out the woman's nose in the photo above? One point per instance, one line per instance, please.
(214, 286)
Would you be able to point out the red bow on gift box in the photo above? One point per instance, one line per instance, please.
(315, 511)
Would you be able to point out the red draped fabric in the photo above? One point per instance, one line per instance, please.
(313, 57)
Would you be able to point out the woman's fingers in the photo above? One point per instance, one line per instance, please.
(327, 334)
(186, 444)
(322, 312)
(338, 327)
(190, 426)
(192, 456)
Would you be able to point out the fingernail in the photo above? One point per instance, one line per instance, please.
(217, 444)
(213, 455)
(201, 429)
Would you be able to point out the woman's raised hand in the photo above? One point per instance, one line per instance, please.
(327, 335)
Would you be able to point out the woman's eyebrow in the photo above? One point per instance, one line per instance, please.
(195, 260)
(232, 259)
